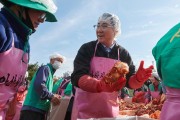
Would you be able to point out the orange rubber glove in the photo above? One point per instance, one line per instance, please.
(91, 84)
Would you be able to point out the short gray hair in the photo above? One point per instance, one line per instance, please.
(56, 55)
(112, 19)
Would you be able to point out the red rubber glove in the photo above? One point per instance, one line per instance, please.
(116, 86)
(91, 84)
(139, 97)
(142, 75)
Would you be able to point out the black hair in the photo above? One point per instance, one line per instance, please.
(27, 21)
(6, 3)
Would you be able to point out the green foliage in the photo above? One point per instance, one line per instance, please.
(32, 68)
(131, 91)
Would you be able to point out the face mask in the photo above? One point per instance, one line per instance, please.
(56, 65)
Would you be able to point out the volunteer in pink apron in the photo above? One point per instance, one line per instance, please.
(18, 20)
(155, 87)
(63, 87)
(167, 54)
(93, 98)
(140, 95)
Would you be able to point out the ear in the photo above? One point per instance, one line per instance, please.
(62, 60)
(18, 10)
(116, 33)
(51, 61)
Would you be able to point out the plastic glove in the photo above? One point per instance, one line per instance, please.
(143, 73)
(90, 84)
(139, 97)
(116, 86)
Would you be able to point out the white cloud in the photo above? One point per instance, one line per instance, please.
(1, 5)
(162, 11)
(176, 6)
(139, 25)
(133, 34)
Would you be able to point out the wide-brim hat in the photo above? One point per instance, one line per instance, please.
(47, 6)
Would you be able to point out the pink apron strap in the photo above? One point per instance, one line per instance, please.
(62, 85)
(66, 81)
(95, 48)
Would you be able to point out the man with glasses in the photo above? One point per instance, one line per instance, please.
(93, 97)
(18, 20)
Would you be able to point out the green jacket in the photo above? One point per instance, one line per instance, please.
(32, 97)
(167, 56)
(67, 89)
(151, 87)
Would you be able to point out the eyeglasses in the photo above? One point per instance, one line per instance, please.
(43, 16)
(103, 26)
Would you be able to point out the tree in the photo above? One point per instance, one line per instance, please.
(67, 73)
(32, 68)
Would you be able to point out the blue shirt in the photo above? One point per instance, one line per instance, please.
(12, 28)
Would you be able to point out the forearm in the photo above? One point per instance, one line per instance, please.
(78, 73)
(91, 84)
(45, 94)
(40, 84)
(88, 83)
(42, 91)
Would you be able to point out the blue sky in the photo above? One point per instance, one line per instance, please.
(143, 23)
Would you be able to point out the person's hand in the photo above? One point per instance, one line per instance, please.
(139, 97)
(118, 85)
(143, 73)
(56, 99)
(22, 88)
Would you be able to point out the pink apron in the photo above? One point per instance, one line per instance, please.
(170, 110)
(12, 72)
(155, 94)
(61, 89)
(137, 92)
(96, 105)
(140, 97)
(19, 105)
